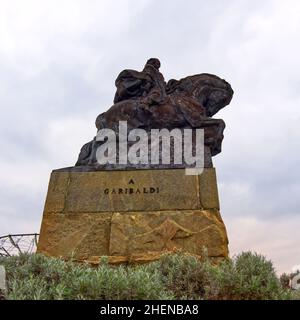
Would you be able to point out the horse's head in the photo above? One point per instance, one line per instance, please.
(212, 92)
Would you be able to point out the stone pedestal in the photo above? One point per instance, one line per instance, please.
(131, 215)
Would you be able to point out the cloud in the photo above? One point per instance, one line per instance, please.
(278, 239)
(58, 63)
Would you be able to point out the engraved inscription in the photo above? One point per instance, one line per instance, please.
(131, 190)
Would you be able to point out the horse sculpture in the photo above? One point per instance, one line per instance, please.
(146, 101)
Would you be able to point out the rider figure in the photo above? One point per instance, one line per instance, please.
(158, 92)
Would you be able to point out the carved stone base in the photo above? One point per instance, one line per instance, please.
(131, 216)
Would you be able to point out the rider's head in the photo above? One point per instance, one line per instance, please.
(154, 62)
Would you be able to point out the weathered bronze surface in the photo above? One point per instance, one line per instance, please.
(146, 101)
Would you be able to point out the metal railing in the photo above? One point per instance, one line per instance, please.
(15, 244)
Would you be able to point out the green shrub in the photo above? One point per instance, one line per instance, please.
(285, 280)
(184, 275)
(247, 276)
(38, 277)
(174, 276)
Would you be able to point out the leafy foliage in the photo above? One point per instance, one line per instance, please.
(174, 276)
(38, 277)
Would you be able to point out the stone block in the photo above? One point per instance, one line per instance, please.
(132, 215)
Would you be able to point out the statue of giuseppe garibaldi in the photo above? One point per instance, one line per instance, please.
(145, 100)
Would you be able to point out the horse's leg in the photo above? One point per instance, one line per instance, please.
(213, 134)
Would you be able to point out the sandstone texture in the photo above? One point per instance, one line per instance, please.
(131, 215)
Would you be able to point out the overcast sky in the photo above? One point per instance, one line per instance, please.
(58, 63)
